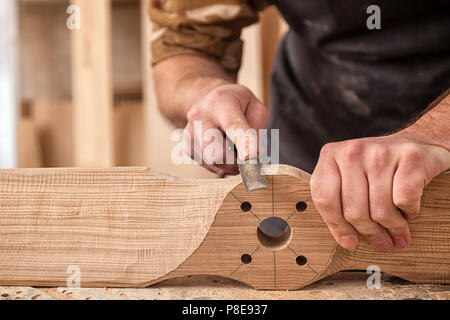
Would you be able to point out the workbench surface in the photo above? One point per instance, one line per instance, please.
(343, 285)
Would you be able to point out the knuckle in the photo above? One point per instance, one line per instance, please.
(410, 190)
(340, 229)
(353, 150)
(406, 202)
(380, 153)
(379, 157)
(379, 215)
(353, 216)
(408, 193)
(412, 153)
(327, 149)
(235, 122)
(193, 113)
(215, 95)
(321, 200)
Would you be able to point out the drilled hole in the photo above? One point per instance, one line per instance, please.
(301, 206)
(274, 233)
(301, 260)
(246, 258)
(246, 206)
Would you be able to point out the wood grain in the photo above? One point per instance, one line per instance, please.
(121, 227)
(132, 227)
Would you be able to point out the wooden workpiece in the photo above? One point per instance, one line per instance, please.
(132, 227)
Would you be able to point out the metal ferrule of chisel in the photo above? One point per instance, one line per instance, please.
(251, 171)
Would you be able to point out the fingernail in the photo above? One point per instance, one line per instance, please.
(400, 242)
(348, 241)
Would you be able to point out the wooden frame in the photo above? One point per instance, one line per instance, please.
(92, 85)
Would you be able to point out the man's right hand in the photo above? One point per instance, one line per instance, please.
(233, 109)
(192, 88)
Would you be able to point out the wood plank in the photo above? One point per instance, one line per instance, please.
(53, 121)
(29, 153)
(92, 85)
(129, 135)
(131, 227)
(270, 29)
(251, 72)
(121, 226)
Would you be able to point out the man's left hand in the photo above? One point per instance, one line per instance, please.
(373, 186)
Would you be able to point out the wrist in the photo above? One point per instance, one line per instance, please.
(420, 135)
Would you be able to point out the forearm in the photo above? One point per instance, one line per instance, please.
(433, 127)
(180, 81)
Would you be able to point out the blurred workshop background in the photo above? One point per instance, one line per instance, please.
(84, 97)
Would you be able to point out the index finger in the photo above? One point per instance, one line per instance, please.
(233, 122)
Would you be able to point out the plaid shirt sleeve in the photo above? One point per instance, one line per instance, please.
(209, 28)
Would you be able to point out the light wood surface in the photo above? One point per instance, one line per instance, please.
(92, 85)
(132, 227)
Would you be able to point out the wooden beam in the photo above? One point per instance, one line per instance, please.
(251, 72)
(131, 227)
(270, 33)
(8, 81)
(92, 85)
(29, 152)
(53, 121)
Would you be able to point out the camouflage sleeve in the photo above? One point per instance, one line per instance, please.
(210, 28)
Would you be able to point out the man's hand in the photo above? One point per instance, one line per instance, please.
(233, 109)
(190, 89)
(372, 186)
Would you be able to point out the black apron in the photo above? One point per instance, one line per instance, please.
(334, 79)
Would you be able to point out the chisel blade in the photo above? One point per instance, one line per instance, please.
(252, 175)
(251, 171)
